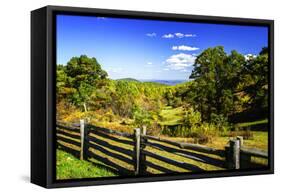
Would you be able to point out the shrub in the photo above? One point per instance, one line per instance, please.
(154, 129)
(192, 118)
(201, 133)
(220, 122)
(142, 117)
(204, 139)
(204, 133)
(247, 134)
(109, 116)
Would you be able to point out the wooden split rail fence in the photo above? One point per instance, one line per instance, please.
(133, 154)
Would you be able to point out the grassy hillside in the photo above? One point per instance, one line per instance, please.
(171, 116)
(128, 79)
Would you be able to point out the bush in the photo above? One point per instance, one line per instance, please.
(201, 133)
(220, 122)
(204, 133)
(109, 116)
(193, 127)
(142, 117)
(176, 131)
(247, 134)
(204, 139)
(192, 118)
(154, 129)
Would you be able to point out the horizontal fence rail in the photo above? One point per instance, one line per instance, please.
(194, 147)
(110, 146)
(109, 131)
(254, 152)
(173, 162)
(187, 154)
(68, 139)
(136, 154)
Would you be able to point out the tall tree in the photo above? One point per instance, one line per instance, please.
(233, 68)
(208, 76)
(84, 75)
(256, 73)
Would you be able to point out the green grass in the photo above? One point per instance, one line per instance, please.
(172, 116)
(260, 141)
(69, 167)
(247, 124)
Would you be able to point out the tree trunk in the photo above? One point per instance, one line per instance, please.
(85, 107)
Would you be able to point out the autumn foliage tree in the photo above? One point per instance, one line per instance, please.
(78, 79)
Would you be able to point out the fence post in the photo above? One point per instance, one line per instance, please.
(82, 128)
(142, 156)
(137, 150)
(86, 141)
(240, 138)
(233, 155)
(245, 159)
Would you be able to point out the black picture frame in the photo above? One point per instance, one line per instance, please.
(43, 91)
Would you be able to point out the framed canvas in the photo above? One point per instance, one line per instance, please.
(126, 96)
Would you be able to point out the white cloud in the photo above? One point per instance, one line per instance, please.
(178, 35)
(249, 56)
(184, 48)
(153, 34)
(190, 35)
(168, 36)
(180, 62)
(149, 63)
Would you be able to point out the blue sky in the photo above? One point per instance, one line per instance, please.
(149, 49)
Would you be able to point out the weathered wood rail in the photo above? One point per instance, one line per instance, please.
(133, 154)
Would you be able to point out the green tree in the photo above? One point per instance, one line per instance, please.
(83, 76)
(216, 78)
(256, 77)
(125, 97)
(208, 73)
(231, 79)
(61, 82)
(142, 117)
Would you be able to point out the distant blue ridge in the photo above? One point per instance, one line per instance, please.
(166, 82)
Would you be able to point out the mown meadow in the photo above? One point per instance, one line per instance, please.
(225, 96)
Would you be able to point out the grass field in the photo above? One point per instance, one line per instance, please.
(172, 116)
(259, 141)
(69, 167)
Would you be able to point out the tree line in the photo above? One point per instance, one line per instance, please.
(220, 89)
